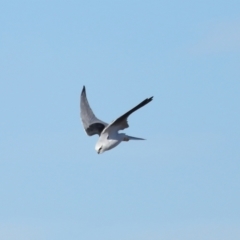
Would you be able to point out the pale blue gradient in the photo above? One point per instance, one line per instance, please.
(183, 182)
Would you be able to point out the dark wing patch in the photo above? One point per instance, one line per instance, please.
(95, 128)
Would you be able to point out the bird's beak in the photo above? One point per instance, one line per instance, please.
(99, 150)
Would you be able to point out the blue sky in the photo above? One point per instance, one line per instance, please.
(183, 182)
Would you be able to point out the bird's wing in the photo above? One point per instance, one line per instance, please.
(121, 122)
(91, 124)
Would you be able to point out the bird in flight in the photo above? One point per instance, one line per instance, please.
(109, 137)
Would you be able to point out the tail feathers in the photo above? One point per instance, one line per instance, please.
(127, 138)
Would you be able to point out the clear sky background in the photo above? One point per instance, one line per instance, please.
(183, 183)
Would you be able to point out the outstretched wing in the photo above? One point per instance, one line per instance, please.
(91, 124)
(121, 122)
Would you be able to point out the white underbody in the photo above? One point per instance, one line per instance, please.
(110, 140)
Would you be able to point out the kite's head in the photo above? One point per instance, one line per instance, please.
(99, 148)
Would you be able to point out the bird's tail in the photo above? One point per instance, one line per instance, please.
(127, 138)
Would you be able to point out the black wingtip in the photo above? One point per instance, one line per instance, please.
(149, 99)
(83, 90)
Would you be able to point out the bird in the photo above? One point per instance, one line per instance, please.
(109, 136)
